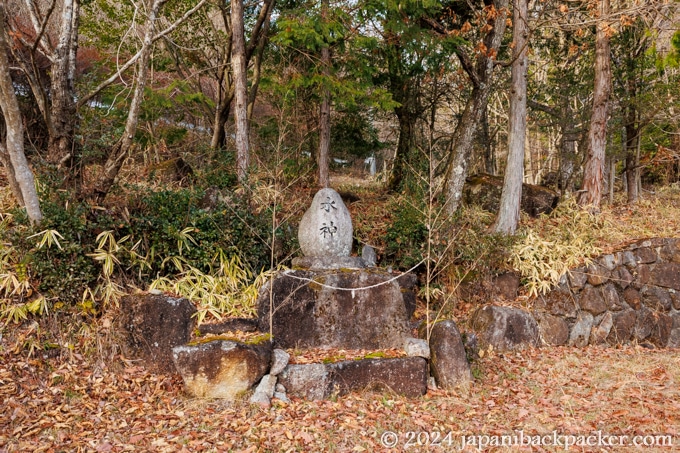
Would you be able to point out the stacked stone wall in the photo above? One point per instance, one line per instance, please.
(630, 295)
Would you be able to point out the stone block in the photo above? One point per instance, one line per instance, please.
(622, 277)
(222, 368)
(591, 300)
(280, 360)
(577, 278)
(560, 302)
(608, 261)
(415, 347)
(597, 274)
(580, 331)
(645, 255)
(632, 298)
(505, 328)
(154, 324)
(265, 391)
(369, 256)
(628, 259)
(371, 310)
(448, 364)
(661, 330)
(310, 381)
(599, 334)
(623, 324)
(656, 298)
(506, 285)
(554, 330)
(611, 297)
(670, 251)
(642, 275)
(666, 275)
(405, 376)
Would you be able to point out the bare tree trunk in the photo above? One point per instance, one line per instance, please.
(121, 149)
(591, 193)
(612, 179)
(406, 116)
(508, 212)
(219, 137)
(239, 68)
(257, 69)
(12, 149)
(325, 110)
(61, 145)
(462, 141)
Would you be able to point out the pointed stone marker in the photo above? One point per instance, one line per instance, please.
(326, 227)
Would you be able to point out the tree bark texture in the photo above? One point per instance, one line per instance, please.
(120, 151)
(593, 182)
(463, 136)
(508, 212)
(12, 148)
(325, 110)
(61, 145)
(239, 69)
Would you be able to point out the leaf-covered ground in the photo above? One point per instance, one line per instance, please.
(69, 404)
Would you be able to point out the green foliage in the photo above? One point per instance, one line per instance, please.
(218, 172)
(353, 134)
(405, 238)
(159, 221)
(82, 258)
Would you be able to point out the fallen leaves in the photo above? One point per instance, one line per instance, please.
(70, 404)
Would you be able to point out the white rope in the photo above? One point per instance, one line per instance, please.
(311, 280)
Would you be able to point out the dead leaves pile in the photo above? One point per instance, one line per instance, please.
(69, 404)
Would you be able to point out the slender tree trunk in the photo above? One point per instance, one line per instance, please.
(508, 213)
(463, 136)
(219, 137)
(239, 69)
(325, 109)
(120, 151)
(406, 117)
(591, 193)
(257, 69)
(12, 149)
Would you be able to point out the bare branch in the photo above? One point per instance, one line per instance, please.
(136, 56)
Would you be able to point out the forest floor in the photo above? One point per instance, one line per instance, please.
(71, 404)
(85, 398)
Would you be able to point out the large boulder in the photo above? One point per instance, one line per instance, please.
(155, 324)
(448, 363)
(326, 227)
(221, 368)
(485, 190)
(353, 309)
(505, 328)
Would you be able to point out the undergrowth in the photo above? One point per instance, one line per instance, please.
(555, 243)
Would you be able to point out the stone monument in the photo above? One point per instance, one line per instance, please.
(325, 234)
(332, 299)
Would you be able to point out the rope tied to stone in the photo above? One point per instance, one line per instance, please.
(361, 288)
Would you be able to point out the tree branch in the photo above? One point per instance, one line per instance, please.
(136, 56)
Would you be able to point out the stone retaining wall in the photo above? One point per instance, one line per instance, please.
(631, 295)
